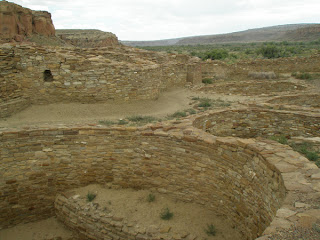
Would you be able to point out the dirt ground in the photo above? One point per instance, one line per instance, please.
(134, 207)
(47, 229)
(167, 103)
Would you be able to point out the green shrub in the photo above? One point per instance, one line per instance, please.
(210, 230)
(312, 156)
(271, 51)
(216, 54)
(191, 111)
(178, 114)
(207, 81)
(91, 197)
(166, 214)
(205, 103)
(142, 119)
(280, 139)
(303, 76)
(151, 197)
(107, 122)
(122, 122)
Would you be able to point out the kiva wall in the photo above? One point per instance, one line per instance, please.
(251, 123)
(228, 176)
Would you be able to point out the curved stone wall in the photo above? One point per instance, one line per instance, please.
(250, 123)
(251, 88)
(305, 100)
(230, 176)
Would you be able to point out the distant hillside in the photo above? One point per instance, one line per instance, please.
(291, 32)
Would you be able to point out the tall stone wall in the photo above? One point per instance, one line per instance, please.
(38, 75)
(230, 177)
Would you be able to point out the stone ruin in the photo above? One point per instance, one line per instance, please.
(207, 159)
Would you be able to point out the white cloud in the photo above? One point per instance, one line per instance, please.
(161, 19)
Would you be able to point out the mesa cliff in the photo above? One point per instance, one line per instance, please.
(17, 23)
(87, 38)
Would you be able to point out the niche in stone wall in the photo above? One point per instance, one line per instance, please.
(47, 76)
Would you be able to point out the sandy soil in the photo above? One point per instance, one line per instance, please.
(132, 205)
(167, 103)
(41, 230)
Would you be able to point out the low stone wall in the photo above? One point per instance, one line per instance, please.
(253, 87)
(229, 176)
(240, 70)
(251, 122)
(305, 100)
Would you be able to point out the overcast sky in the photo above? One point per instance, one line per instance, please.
(164, 19)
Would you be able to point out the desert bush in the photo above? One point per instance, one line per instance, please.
(178, 114)
(207, 81)
(142, 119)
(216, 54)
(210, 230)
(151, 197)
(262, 75)
(205, 103)
(280, 139)
(107, 122)
(166, 214)
(122, 122)
(307, 150)
(271, 51)
(91, 197)
(303, 75)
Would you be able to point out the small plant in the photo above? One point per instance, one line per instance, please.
(107, 122)
(280, 139)
(178, 114)
(151, 197)
(210, 230)
(142, 119)
(166, 214)
(207, 81)
(307, 150)
(122, 122)
(316, 228)
(91, 196)
(303, 75)
(191, 111)
(205, 103)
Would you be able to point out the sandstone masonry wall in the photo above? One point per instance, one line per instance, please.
(228, 176)
(249, 123)
(241, 69)
(38, 75)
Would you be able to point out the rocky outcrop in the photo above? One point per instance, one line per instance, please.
(17, 22)
(88, 38)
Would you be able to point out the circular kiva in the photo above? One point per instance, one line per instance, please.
(255, 122)
(244, 179)
(251, 88)
(305, 100)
